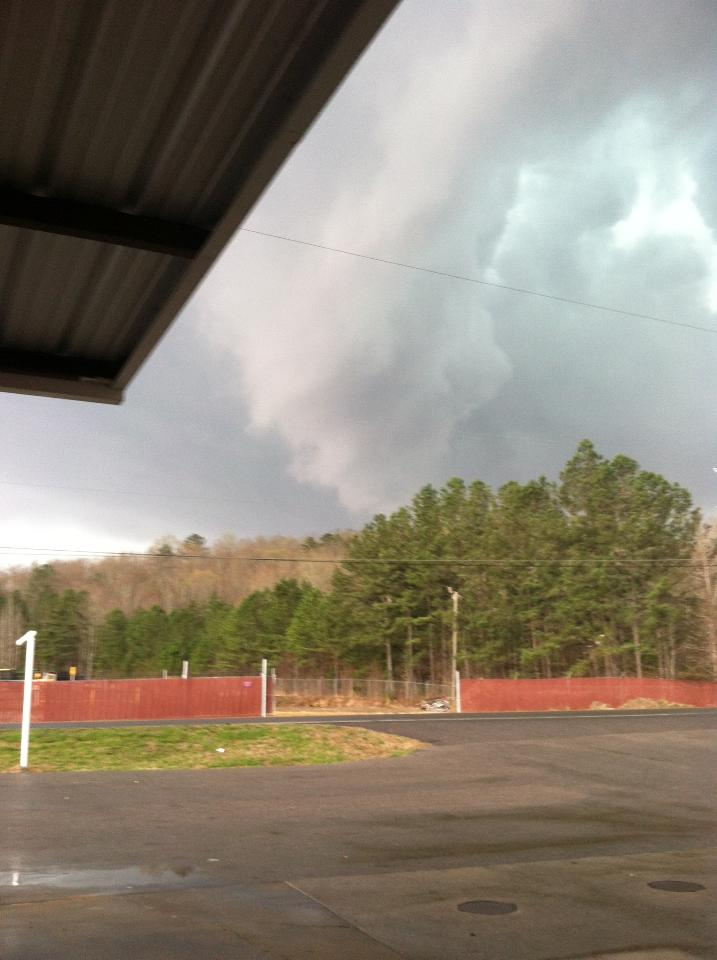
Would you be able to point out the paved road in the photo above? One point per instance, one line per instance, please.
(452, 729)
(439, 727)
(566, 818)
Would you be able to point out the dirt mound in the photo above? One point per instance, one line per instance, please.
(645, 703)
(308, 706)
(638, 703)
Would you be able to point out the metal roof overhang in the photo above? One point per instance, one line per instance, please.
(135, 136)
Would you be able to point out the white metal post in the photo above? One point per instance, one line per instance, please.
(185, 669)
(455, 597)
(264, 666)
(458, 691)
(29, 640)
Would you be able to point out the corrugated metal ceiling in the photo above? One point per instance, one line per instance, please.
(153, 126)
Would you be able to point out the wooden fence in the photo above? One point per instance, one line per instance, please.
(171, 699)
(580, 693)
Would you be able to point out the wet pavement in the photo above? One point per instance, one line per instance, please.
(599, 832)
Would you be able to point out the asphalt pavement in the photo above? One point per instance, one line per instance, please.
(511, 837)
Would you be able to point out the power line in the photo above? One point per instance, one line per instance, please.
(484, 283)
(354, 561)
(128, 493)
(113, 491)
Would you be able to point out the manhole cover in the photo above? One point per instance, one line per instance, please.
(678, 886)
(490, 907)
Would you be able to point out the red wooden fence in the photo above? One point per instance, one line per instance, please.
(579, 693)
(171, 699)
(198, 697)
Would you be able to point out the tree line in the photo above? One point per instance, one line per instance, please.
(606, 571)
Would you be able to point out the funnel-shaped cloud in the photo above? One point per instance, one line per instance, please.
(561, 146)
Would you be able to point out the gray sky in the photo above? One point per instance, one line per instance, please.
(563, 146)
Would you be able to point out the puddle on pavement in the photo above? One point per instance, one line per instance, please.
(651, 953)
(676, 886)
(120, 879)
(491, 908)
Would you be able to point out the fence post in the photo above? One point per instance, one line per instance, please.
(29, 640)
(264, 666)
(185, 669)
(458, 691)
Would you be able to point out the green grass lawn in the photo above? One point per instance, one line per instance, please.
(196, 748)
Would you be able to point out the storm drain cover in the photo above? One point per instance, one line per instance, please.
(490, 907)
(678, 886)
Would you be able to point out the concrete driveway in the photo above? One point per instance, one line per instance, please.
(510, 838)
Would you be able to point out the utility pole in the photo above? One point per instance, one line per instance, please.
(90, 659)
(389, 654)
(455, 597)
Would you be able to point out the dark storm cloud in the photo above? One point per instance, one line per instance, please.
(559, 145)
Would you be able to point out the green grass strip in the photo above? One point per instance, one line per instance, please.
(198, 747)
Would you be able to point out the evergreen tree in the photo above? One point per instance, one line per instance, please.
(63, 637)
(111, 655)
(309, 636)
(600, 573)
(148, 634)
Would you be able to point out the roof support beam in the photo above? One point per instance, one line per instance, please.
(56, 365)
(89, 222)
(72, 378)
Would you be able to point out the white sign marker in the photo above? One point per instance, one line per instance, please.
(29, 640)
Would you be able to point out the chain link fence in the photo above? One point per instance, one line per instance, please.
(344, 690)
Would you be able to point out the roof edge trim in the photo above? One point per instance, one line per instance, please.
(96, 391)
